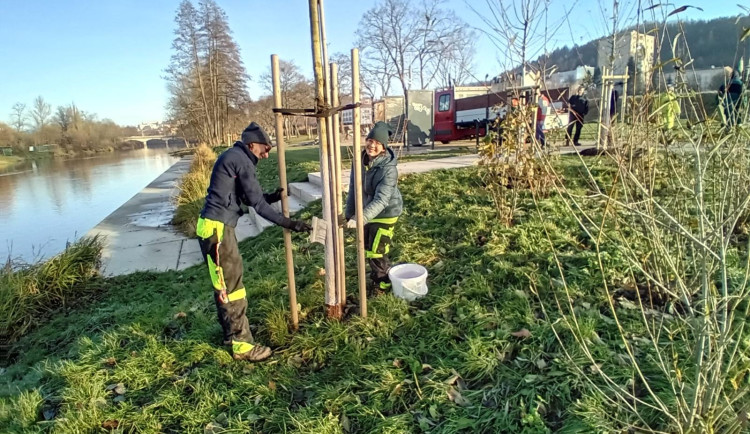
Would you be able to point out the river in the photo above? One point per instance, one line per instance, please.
(45, 204)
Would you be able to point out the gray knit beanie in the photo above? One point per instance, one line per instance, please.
(254, 134)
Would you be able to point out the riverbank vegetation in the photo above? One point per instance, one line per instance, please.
(9, 161)
(29, 293)
(66, 131)
(192, 190)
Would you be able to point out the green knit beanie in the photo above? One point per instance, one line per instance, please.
(381, 131)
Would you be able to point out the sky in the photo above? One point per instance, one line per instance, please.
(109, 56)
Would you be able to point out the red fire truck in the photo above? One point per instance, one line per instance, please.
(466, 118)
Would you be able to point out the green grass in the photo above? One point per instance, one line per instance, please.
(30, 292)
(446, 363)
(300, 160)
(9, 161)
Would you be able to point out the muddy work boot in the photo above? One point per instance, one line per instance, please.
(256, 353)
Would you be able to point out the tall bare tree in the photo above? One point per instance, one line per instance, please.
(411, 43)
(378, 72)
(40, 113)
(296, 92)
(206, 78)
(62, 118)
(18, 116)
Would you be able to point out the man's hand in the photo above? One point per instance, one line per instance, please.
(273, 197)
(300, 226)
(351, 224)
(222, 294)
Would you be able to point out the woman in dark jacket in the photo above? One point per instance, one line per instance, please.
(382, 203)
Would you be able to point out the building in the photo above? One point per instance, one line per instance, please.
(702, 80)
(639, 47)
(554, 80)
(365, 113)
(571, 78)
(514, 80)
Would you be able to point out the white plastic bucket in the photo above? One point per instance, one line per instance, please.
(409, 281)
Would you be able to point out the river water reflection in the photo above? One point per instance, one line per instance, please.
(44, 204)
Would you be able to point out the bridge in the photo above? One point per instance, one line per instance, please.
(157, 141)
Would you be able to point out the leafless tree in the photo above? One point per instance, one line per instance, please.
(412, 43)
(40, 113)
(378, 72)
(62, 118)
(457, 65)
(296, 92)
(18, 116)
(516, 28)
(206, 77)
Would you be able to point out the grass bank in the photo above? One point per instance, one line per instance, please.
(30, 293)
(476, 355)
(192, 190)
(9, 161)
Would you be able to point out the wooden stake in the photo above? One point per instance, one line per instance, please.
(336, 173)
(331, 187)
(356, 189)
(281, 149)
(332, 306)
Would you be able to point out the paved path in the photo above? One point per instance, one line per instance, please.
(138, 236)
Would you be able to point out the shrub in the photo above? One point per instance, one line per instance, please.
(193, 188)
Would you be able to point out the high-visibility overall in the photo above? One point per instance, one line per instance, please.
(218, 244)
(378, 238)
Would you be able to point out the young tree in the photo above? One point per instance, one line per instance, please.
(18, 116)
(515, 29)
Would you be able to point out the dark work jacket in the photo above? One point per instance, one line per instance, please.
(381, 198)
(579, 104)
(615, 97)
(233, 182)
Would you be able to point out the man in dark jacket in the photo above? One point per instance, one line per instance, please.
(381, 200)
(579, 107)
(234, 182)
(730, 97)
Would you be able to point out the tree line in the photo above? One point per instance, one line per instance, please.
(407, 44)
(711, 42)
(72, 129)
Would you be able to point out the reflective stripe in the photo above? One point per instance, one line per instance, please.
(241, 347)
(385, 220)
(205, 228)
(376, 243)
(216, 273)
(237, 295)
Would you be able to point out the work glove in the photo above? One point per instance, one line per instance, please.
(351, 224)
(341, 221)
(273, 197)
(299, 226)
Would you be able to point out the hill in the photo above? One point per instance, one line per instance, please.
(711, 42)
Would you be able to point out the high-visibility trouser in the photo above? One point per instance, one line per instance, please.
(220, 251)
(378, 239)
